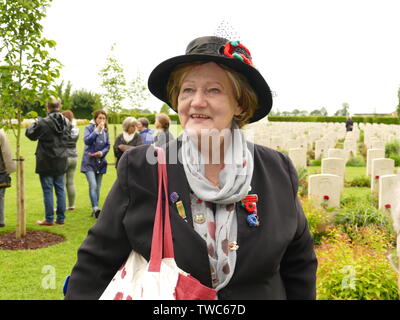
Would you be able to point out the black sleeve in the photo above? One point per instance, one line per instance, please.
(117, 152)
(299, 263)
(106, 247)
(36, 130)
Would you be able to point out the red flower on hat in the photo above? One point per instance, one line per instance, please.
(376, 177)
(326, 197)
(235, 50)
(388, 206)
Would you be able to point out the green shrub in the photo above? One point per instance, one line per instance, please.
(356, 162)
(392, 151)
(362, 148)
(316, 163)
(318, 219)
(302, 175)
(361, 215)
(392, 148)
(355, 270)
(361, 137)
(361, 181)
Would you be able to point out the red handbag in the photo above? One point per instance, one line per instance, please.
(160, 278)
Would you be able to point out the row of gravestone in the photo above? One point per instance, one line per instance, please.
(327, 187)
(320, 136)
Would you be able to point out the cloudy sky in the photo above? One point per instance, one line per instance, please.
(313, 53)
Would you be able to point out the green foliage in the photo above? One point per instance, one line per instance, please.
(302, 175)
(392, 151)
(318, 219)
(316, 163)
(360, 181)
(28, 71)
(344, 111)
(137, 92)
(356, 162)
(355, 269)
(113, 82)
(84, 103)
(165, 109)
(65, 95)
(361, 215)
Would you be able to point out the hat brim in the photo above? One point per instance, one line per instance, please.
(158, 79)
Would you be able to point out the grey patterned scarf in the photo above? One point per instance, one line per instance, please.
(219, 229)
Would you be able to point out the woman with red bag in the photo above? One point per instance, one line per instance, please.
(237, 224)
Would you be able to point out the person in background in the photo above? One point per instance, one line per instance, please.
(128, 139)
(145, 132)
(349, 124)
(72, 160)
(8, 166)
(162, 125)
(52, 132)
(94, 163)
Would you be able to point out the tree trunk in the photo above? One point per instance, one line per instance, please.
(21, 217)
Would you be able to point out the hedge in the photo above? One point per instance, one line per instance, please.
(385, 120)
(150, 116)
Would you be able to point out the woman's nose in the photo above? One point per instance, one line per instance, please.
(199, 99)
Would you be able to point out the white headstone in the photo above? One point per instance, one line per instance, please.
(334, 166)
(380, 167)
(337, 153)
(325, 188)
(320, 149)
(373, 154)
(387, 191)
(298, 157)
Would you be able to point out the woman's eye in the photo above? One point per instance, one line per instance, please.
(214, 90)
(187, 90)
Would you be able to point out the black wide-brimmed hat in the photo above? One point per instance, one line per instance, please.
(232, 54)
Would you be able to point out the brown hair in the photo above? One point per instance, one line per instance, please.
(144, 122)
(244, 93)
(68, 114)
(97, 113)
(164, 120)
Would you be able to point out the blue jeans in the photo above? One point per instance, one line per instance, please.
(48, 183)
(94, 180)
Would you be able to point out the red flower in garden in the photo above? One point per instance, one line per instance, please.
(377, 177)
(326, 197)
(388, 206)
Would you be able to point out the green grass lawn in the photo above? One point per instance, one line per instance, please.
(23, 273)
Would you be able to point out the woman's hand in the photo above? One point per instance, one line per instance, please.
(97, 154)
(101, 126)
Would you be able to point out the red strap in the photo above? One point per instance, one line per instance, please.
(157, 242)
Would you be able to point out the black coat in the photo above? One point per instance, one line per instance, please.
(274, 261)
(136, 141)
(53, 133)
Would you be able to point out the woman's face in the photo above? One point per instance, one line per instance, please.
(100, 118)
(131, 129)
(206, 99)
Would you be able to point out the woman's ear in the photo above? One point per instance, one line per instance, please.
(238, 110)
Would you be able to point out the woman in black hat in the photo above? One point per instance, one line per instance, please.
(237, 223)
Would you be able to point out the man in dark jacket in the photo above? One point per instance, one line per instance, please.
(52, 132)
